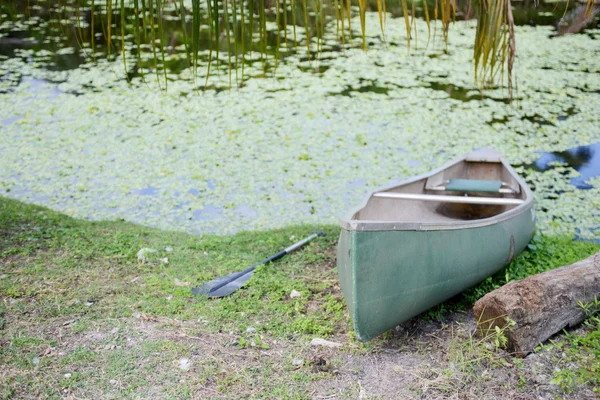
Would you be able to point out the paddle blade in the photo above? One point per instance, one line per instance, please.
(225, 290)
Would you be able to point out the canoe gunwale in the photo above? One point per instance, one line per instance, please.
(350, 224)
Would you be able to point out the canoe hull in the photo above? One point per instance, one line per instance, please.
(390, 276)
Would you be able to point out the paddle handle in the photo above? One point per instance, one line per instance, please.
(301, 243)
(268, 260)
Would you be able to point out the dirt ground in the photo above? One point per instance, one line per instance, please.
(149, 357)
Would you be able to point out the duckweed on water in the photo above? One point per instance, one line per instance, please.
(288, 149)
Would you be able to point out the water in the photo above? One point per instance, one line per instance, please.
(583, 159)
(302, 146)
(464, 94)
(149, 191)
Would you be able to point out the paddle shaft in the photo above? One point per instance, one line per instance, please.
(267, 260)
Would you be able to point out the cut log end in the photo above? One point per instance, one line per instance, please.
(540, 305)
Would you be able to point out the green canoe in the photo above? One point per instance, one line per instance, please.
(412, 246)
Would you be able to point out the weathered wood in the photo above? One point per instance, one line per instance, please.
(541, 305)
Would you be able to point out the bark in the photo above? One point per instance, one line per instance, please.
(541, 305)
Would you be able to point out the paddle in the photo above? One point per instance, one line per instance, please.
(225, 285)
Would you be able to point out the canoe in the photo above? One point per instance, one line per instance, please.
(411, 246)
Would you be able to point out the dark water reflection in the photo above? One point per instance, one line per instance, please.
(463, 94)
(584, 159)
(149, 191)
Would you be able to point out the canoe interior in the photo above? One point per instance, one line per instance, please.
(400, 210)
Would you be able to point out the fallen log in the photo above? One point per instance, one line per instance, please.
(540, 305)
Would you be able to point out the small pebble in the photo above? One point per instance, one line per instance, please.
(67, 376)
(184, 364)
(298, 361)
(141, 255)
(180, 283)
(113, 382)
(295, 293)
(325, 343)
(250, 329)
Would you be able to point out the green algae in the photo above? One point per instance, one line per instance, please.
(90, 141)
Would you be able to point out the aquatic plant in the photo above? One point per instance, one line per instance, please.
(83, 137)
(235, 31)
(88, 143)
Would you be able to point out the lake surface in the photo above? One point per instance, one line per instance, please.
(304, 144)
(583, 159)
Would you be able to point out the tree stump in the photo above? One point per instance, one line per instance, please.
(541, 305)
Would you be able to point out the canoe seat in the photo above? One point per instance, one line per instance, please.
(473, 185)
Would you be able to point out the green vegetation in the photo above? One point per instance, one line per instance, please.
(579, 362)
(468, 357)
(76, 299)
(199, 162)
(84, 279)
(83, 140)
(229, 32)
(90, 270)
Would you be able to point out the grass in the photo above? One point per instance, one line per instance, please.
(468, 358)
(580, 360)
(89, 269)
(81, 315)
(62, 276)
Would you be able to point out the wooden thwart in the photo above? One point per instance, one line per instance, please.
(448, 199)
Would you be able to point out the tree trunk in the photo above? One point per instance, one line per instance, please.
(541, 305)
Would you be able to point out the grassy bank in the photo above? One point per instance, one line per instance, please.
(82, 315)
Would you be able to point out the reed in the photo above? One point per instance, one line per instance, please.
(236, 21)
